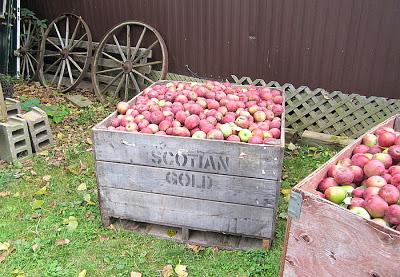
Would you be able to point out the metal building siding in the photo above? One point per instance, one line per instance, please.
(348, 45)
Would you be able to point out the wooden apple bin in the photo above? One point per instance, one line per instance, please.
(212, 193)
(325, 239)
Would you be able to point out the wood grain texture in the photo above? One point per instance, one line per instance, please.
(188, 213)
(191, 184)
(195, 237)
(237, 159)
(3, 109)
(331, 241)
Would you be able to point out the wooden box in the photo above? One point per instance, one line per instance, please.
(325, 239)
(216, 193)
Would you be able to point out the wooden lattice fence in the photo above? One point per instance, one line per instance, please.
(333, 113)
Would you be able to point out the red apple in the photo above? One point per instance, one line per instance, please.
(359, 160)
(375, 149)
(256, 140)
(146, 130)
(115, 122)
(392, 214)
(390, 194)
(375, 206)
(370, 191)
(386, 139)
(358, 192)
(195, 109)
(395, 181)
(199, 135)
(375, 181)
(394, 152)
(233, 138)
(181, 132)
(370, 140)
(343, 175)
(242, 122)
(122, 107)
(326, 183)
(344, 162)
(215, 134)
(156, 117)
(356, 202)
(374, 167)
(395, 169)
(360, 149)
(259, 116)
(357, 172)
(192, 121)
(131, 126)
(276, 133)
(386, 159)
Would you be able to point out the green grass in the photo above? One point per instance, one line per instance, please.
(100, 251)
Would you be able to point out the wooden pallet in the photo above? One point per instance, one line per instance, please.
(333, 113)
(194, 237)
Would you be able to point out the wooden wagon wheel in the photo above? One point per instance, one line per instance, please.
(64, 60)
(28, 52)
(122, 66)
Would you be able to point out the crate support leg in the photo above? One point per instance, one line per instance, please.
(185, 234)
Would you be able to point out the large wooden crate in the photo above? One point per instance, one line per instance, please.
(216, 187)
(325, 239)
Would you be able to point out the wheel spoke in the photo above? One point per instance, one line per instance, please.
(128, 41)
(27, 66)
(112, 58)
(55, 45)
(78, 53)
(75, 64)
(56, 74)
(146, 64)
(33, 58)
(112, 82)
(70, 72)
(29, 33)
(22, 69)
(119, 48)
(126, 87)
(66, 32)
(77, 42)
(108, 70)
(59, 36)
(143, 76)
(74, 33)
(52, 65)
(31, 65)
(138, 43)
(23, 37)
(51, 55)
(116, 92)
(61, 74)
(134, 82)
(145, 52)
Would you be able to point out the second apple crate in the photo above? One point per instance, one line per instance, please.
(213, 193)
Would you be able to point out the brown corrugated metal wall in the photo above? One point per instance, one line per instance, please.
(348, 45)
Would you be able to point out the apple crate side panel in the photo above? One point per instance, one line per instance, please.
(327, 238)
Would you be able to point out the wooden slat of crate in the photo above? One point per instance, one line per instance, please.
(214, 187)
(329, 239)
(194, 237)
(187, 212)
(237, 159)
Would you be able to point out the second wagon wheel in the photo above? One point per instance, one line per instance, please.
(65, 52)
(131, 56)
(28, 52)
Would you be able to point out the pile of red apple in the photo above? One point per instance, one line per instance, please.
(209, 110)
(368, 183)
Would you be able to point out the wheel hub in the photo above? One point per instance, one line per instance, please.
(64, 53)
(127, 67)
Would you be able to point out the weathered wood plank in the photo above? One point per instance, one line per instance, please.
(214, 187)
(318, 139)
(188, 213)
(334, 242)
(195, 237)
(329, 239)
(222, 157)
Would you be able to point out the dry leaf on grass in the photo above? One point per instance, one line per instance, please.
(4, 193)
(104, 238)
(62, 242)
(195, 248)
(89, 141)
(181, 270)
(136, 274)
(82, 273)
(46, 178)
(167, 271)
(81, 187)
